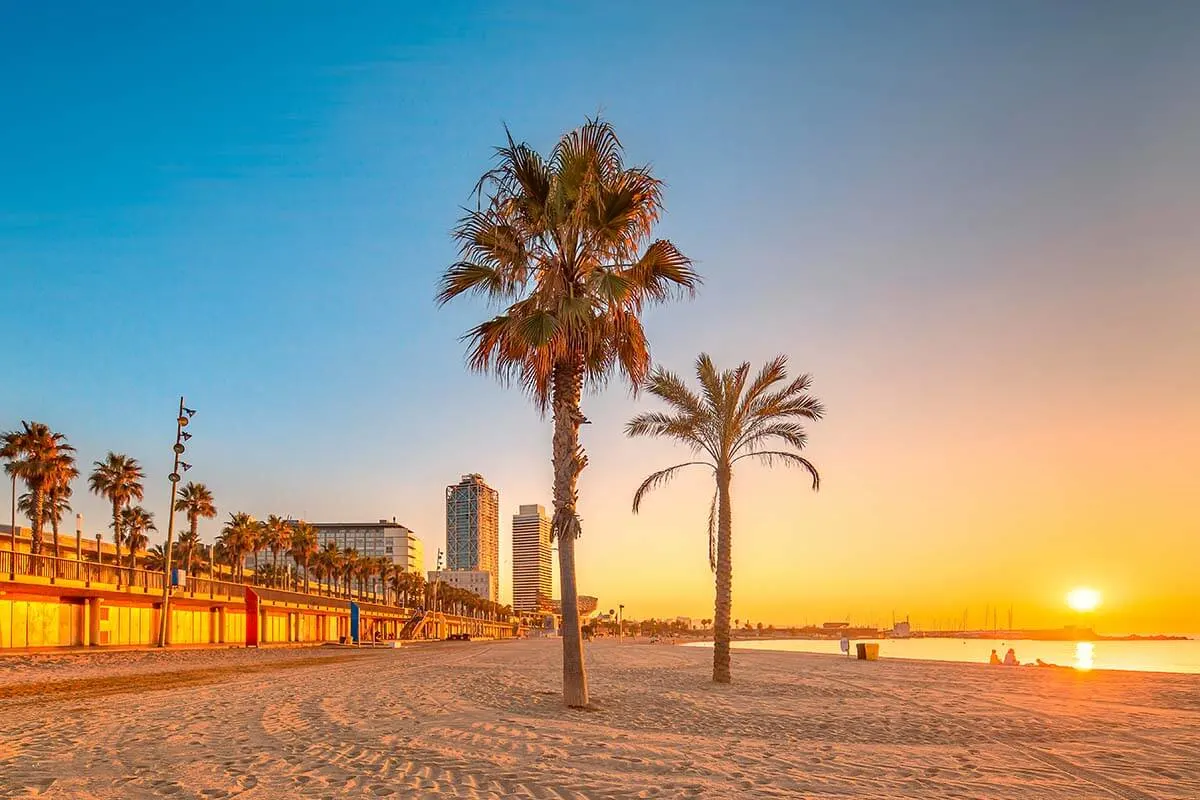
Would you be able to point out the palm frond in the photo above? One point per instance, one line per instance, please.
(789, 402)
(711, 383)
(670, 387)
(791, 433)
(659, 478)
(712, 532)
(771, 373)
(662, 273)
(769, 457)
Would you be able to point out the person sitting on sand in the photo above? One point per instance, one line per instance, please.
(1010, 658)
(994, 659)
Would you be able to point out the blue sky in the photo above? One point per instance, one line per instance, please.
(960, 217)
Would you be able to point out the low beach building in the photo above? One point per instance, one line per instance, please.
(476, 581)
(390, 540)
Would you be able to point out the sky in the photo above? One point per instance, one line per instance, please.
(973, 223)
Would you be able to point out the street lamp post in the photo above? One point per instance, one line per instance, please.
(181, 422)
(436, 581)
(12, 531)
(620, 620)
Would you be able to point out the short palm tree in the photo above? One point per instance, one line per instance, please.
(385, 569)
(156, 558)
(729, 421)
(562, 246)
(258, 542)
(304, 546)
(136, 522)
(57, 506)
(58, 494)
(237, 538)
(44, 461)
(118, 479)
(277, 537)
(189, 555)
(329, 558)
(196, 501)
(400, 587)
(349, 563)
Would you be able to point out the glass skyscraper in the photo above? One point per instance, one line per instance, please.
(473, 529)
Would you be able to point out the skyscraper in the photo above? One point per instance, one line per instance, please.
(473, 529)
(531, 559)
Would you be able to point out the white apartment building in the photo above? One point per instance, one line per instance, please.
(532, 568)
(373, 539)
(475, 581)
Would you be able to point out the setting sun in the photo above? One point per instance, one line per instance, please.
(1083, 599)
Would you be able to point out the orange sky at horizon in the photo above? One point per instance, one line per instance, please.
(1004, 465)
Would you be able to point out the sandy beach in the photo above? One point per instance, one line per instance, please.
(484, 719)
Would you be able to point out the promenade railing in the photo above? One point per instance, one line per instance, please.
(56, 569)
(135, 579)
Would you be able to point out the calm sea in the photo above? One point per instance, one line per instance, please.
(1142, 656)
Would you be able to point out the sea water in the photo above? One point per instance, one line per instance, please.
(1182, 655)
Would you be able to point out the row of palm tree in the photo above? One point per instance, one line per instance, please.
(339, 572)
(562, 245)
(45, 462)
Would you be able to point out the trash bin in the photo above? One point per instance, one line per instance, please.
(867, 651)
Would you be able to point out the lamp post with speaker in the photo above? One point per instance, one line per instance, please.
(181, 436)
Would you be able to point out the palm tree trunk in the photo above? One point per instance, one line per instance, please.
(306, 574)
(117, 538)
(569, 460)
(37, 519)
(724, 605)
(193, 523)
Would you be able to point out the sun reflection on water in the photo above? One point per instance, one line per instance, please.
(1084, 652)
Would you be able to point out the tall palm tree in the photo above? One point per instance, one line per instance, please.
(562, 244)
(44, 461)
(238, 537)
(729, 421)
(196, 501)
(304, 546)
(136, 523)
(118, 478)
